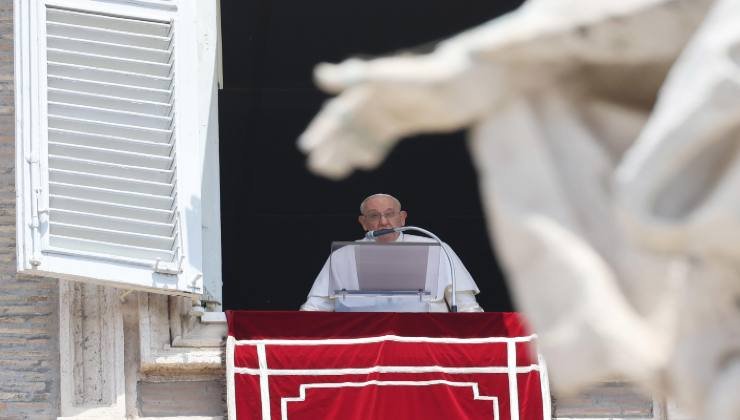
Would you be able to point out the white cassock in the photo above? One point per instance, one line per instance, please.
(319, 298)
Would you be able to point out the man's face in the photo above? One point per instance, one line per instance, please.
(382, 213)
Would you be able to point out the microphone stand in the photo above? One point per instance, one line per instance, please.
(380, 232)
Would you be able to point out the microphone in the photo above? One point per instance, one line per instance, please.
(372, 234)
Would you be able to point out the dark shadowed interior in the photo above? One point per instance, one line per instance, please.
(278, 219)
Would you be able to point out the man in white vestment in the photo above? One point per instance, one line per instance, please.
(383, 211)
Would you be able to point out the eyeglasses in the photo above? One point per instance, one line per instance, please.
(375, 217)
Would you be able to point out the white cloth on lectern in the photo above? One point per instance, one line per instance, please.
(318, 296)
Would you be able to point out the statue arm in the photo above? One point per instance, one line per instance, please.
(383, 100)
(389, 98)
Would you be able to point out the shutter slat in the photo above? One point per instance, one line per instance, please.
(137, 93)
(84, 72)
(109, 116)
(106, 248)
(115, 197)
(135, 173)
(107, 35)
(108, 50)
(114, 223)
(109, 63)
(112, 236)
(110, 182)
(108, 102)
(110, 129)
(110, 156)
(109, 142)
(115, 210)
(139, 26)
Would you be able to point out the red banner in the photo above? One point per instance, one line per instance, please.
(310, 365)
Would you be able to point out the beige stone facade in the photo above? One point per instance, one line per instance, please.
(70, 350)
(29, 329)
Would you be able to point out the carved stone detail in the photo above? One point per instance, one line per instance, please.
(91, 351)
(172, 339)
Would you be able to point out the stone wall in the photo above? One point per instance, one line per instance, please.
(29, 345)
(609, 400)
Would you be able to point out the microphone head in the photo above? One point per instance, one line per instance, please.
(372, 234)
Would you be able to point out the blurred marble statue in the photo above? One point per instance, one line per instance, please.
(606, 136)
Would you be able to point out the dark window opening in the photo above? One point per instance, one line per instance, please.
(278, 219)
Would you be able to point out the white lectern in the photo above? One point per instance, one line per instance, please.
(384, 277)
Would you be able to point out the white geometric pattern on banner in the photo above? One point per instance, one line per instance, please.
(511, 370)
(472, 385)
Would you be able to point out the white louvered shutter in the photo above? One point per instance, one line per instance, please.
(118, 186)
(112, 181)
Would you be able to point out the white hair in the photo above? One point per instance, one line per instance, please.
(362, 205)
